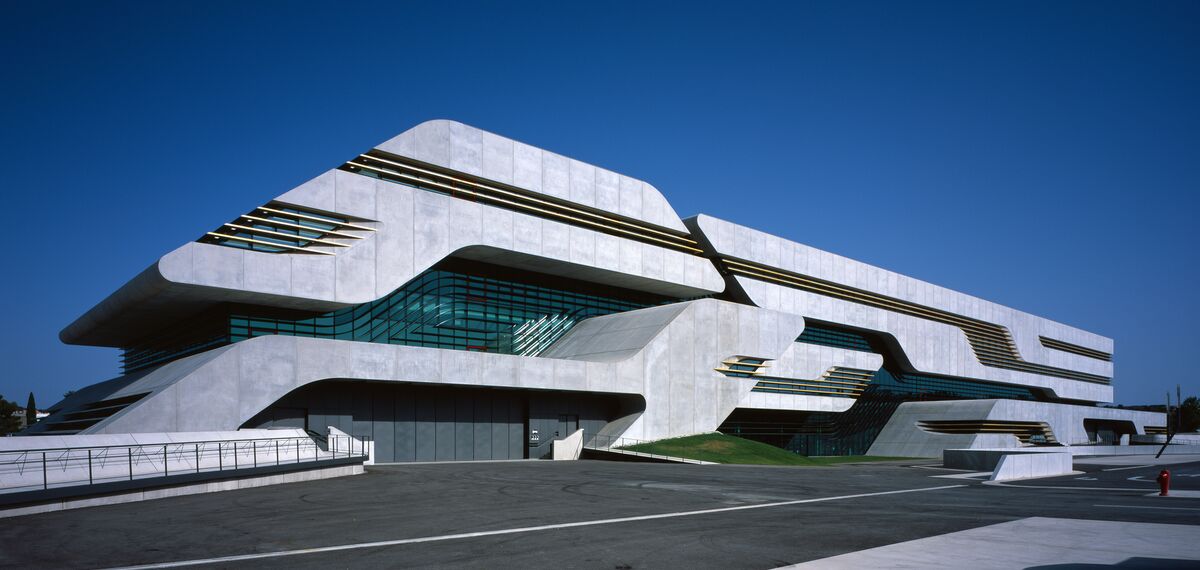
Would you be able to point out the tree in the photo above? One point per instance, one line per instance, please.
(1190, 412)
(9, 422)
(30, 411)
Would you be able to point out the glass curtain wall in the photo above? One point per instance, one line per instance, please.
(446, 309)
(460, 306)
(852, 432)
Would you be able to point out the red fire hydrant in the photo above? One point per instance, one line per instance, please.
(1164, 482)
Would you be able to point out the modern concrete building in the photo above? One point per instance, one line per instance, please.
(456, 295)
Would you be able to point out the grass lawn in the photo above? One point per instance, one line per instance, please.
(720, 448)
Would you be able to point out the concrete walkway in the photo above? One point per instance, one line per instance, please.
(1036, 542)
(1136, 460)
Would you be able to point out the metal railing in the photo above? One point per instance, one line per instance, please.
(1101, 441)
(60, 467)
(1160, 439)
(621, 445)
(1136, 440)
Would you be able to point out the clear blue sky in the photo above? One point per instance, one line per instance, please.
(1044, 155)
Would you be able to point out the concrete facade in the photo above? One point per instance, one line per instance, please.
(930, 346)
(553, 222)
(666, 355)
(903, 437)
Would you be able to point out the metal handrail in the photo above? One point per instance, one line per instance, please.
(1134, 443)
(15, 464)
(1174, 442)
(619, 443)
(204, 441)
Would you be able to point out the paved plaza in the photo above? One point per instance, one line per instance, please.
(593, 514)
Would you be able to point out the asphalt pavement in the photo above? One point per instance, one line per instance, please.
(575, 514)
(1120, 474)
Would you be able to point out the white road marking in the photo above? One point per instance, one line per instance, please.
(1064, 487)
(361, 545)
(937, 466)
(1178, 494)
(972, 475)
(1141, 507)
(1124, 468)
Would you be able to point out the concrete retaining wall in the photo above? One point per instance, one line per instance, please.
(49, 462)
(1032, 465)
(1087, 450)
(1192, 438)
(988, 459)
(569, 448)
(123, 457)
(181, 490)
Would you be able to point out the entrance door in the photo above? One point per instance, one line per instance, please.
(567, 424)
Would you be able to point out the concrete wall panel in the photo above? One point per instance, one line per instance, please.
(414, 230)
(930, 346)
(652, 353)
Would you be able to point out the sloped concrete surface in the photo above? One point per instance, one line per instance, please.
(665, 354)
(1037, 542)
(1014, 466)
(568, 448)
